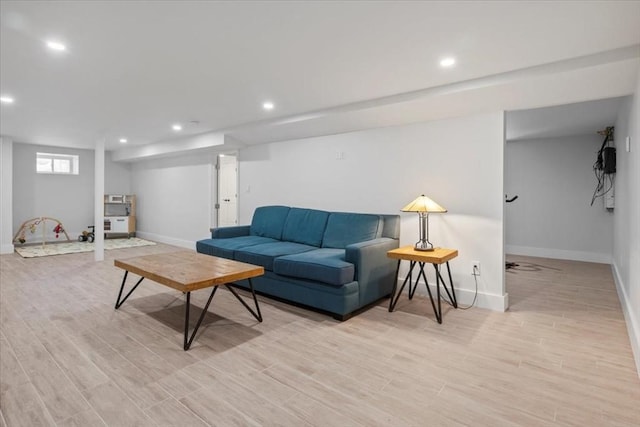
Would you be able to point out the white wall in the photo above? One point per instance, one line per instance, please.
(174, 198)
(6, 191)
(117, 176)
(68, 198)
(552, 216)
(626, 224)
(457, 162)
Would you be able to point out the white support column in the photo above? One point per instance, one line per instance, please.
(98, 214)
(6, 195)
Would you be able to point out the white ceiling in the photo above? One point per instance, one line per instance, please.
(582, 118)
(134, 68)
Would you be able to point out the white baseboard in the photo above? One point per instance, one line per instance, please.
(465, 297)
(6, 249)
(633, 323)
(188, 244)
(601, 258)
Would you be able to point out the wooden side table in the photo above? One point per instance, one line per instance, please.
(437, 257)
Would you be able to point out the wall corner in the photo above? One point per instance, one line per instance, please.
(6, 195)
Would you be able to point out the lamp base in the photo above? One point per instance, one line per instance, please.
(425, 246)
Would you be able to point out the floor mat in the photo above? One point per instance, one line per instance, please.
(76, 247)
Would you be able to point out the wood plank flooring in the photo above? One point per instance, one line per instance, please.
(559, 357)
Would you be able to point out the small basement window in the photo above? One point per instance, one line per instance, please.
(63, 164)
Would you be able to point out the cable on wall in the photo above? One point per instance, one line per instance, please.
(475, 297)
(604, 167)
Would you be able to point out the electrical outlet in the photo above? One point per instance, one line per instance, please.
(475, 268)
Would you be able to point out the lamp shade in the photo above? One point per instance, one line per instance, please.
(423, 204)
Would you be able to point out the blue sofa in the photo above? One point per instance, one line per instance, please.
(334, 262)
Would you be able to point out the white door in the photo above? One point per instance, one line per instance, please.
(227, 190)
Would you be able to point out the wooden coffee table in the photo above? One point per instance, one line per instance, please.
(187, 272)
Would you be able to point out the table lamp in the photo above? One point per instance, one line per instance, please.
(423, 205)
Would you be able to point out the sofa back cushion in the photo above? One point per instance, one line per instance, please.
(391, 226)
(344, 229)
(305, 226)
(268, 221)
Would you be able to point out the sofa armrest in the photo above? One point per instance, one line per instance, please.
(375, 272)
(228, 232)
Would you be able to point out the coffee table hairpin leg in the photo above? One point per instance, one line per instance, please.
(257, 315)
(124, 280)
(188, 340)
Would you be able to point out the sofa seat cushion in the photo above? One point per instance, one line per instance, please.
(323, 265)
(305, 226)
(268, 221)
(266, 253)
(344, 229)
(226, 248)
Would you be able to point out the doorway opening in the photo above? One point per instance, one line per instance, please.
(227, 194)
(548, 161)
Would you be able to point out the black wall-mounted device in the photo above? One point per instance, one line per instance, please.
(605, 165)
(609, 154)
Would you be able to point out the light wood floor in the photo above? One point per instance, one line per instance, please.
(559, 357)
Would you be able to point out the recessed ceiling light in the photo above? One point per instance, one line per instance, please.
(268, 105)
(123, 140)
(6, 99)
(448, 62)
(55, 45)
(176, 127)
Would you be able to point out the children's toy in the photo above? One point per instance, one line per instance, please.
(88, 235)
(32, 226)
(58, 229)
